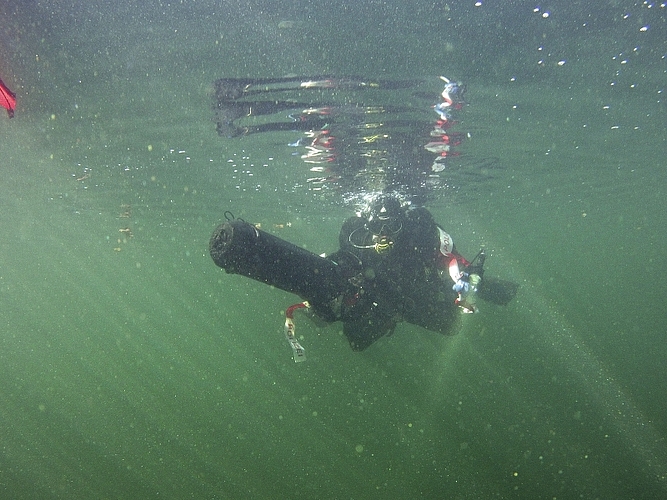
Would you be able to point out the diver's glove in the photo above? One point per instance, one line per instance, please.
(466, 287)
(462, 285)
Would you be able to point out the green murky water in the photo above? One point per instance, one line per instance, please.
(132, 367)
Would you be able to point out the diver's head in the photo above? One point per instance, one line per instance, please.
(384, 220)
(384, 216)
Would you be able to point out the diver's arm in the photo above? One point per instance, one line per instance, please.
(451, 264)
(447, 254)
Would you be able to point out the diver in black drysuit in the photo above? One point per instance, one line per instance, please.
(394, 264)
(401, 260)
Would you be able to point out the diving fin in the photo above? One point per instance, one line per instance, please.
(497, 291)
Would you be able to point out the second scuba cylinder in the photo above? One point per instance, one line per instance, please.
(241, 248)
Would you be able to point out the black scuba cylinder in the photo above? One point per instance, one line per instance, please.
(241, 248)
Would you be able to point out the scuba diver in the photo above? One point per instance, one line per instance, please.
(394, 264)
(403, 267)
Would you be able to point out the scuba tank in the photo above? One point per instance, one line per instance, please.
(241, 248)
